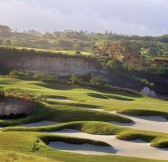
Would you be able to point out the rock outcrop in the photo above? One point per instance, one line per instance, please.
(60, 66)
(146, 91)
(15, 107)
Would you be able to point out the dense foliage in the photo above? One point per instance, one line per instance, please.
(22, 94)
(32, 76)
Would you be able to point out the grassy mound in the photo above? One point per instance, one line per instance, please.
(60, 113)
(145, 113)
(103, 128)
(9, 156)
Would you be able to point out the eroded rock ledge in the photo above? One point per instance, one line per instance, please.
(12, 107)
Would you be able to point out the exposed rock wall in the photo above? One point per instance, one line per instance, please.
(146, 91)
(61, 66)
(15, 107)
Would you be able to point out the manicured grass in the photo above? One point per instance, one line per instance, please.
(139, 112)
(103, 128)
(21, 139)
(61, 113)
(115, 101)
(23, 142)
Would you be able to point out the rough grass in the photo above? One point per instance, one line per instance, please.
(10, 156)
(93, 127)
(42, 52)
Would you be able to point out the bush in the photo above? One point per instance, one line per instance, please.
(25, 95)
(20, 74)
(74, 79)
(78, 52)
(44, 77)
(97, 81)
(32, 76)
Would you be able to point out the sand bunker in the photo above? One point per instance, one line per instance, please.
(60, 99)
(41, 123)
(95, 109)
(83, 148)
(148, 123)
(135, 148)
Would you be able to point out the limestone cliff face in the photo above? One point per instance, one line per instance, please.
(15, 107)
(61, 66)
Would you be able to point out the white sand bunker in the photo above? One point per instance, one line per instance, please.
(95, 109)
(135, 148)
(59, 99)
(83, 148)
(40, 123)
(148, 123)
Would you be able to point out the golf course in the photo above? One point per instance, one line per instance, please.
(72, 122)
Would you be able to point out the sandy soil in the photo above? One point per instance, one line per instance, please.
(135, 148)
(148, 123)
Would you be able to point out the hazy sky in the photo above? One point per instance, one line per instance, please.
(140, 17)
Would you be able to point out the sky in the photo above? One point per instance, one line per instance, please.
(131, 17)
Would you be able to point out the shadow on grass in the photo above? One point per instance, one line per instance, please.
(109, 96)
(146, 114)
(77, 105)
(96, 95)
(56, 86)
(119, 97)
(118, 92)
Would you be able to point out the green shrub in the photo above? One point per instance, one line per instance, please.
(74, 79)
(25, 95)
(32, 76)
(97, 81)
(44, 77)
(21, 74)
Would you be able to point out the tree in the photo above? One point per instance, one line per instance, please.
(74, 79)
(5, 31)
(7, 42)
(144, 53)
(116, 51)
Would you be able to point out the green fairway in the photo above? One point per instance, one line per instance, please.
(109, 101)
(76, 115)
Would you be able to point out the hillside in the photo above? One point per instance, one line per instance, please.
(85, 66)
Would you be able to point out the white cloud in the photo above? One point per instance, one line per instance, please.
(143, 17)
